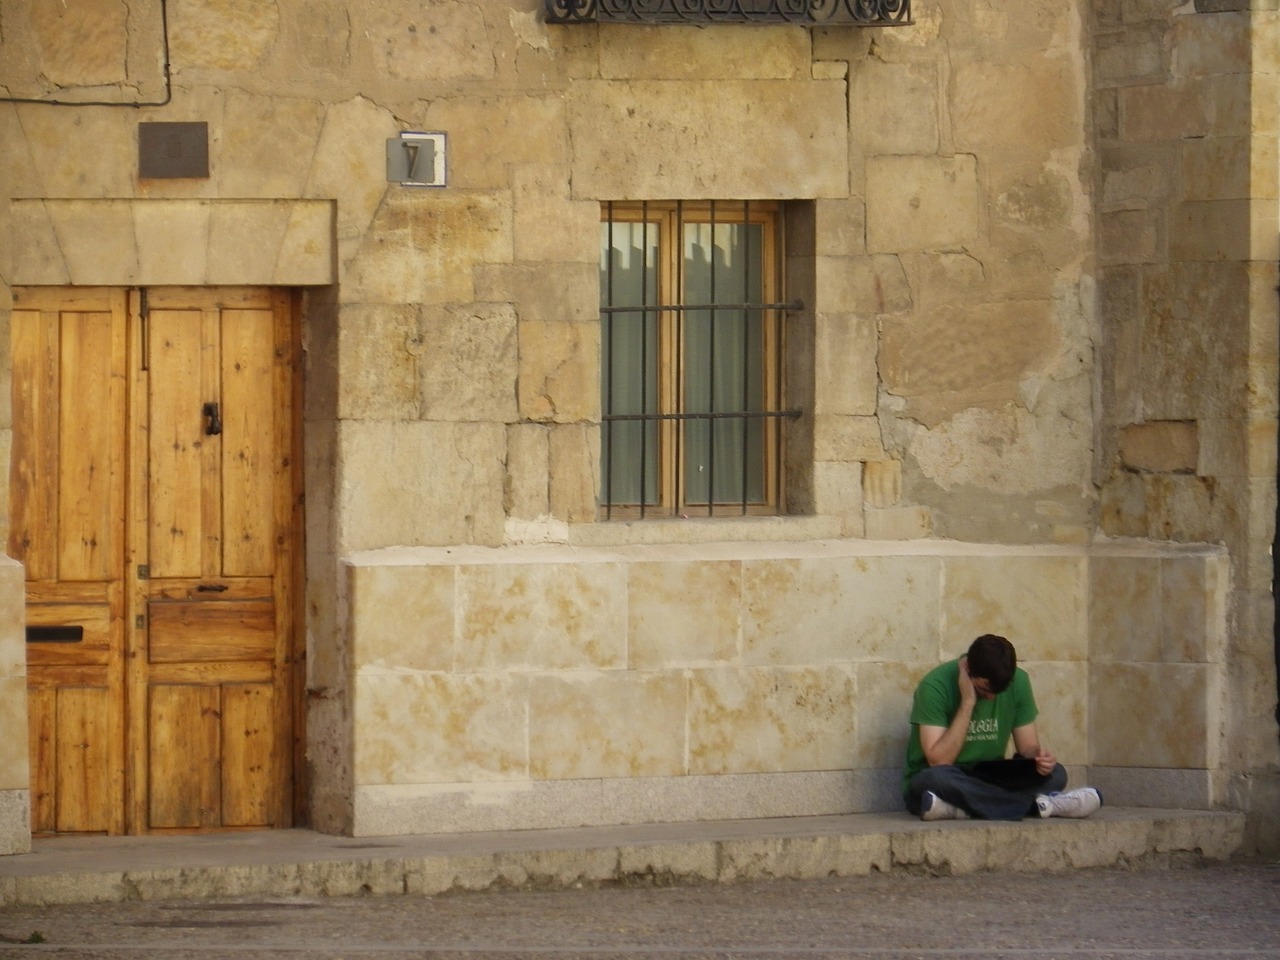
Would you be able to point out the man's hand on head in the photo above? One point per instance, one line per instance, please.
(967, 692)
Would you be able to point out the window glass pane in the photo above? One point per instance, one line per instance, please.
(629, 378)
(723, 362)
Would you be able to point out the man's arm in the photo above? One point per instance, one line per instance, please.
(1026, 743)
(941, 745)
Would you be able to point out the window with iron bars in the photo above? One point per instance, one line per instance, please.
(691, 365)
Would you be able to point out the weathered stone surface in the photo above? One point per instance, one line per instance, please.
(770, 718)
(531, 128)
(436, 483)
(882, 482)
(559, 370)
(434, 40)
(224, 34)
(895, 106)
(625, 136)
(468, 362)
(1167, 446)
(731, 52)
(81, 42)
(921, 203)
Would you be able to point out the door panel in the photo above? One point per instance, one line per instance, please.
(161, 622)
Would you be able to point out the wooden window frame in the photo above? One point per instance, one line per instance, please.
(669, 218)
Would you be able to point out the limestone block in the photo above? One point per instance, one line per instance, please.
(242, 244)
(1146, 172)
(528, 471)
(729, 52)
(847, 438)
(547, 224)
(266, 145)
(1194, 604)
(575, 471)
(882, 482)
(839, 609)
(433, 40)
(419, 483)
(402, 617)
(80, 44)
(1132, 235)
(80, 225)
(895, 106)
(770, 719)
(13, 646)
(884, 692)
(172, 237)
(625, 134)
(899, 523)
(559, 371)
(1043, 202)
(315, 38)
(921, 203)
(1017, 109)
(14, 770)
(844, 361)
(1038, 601)
(837, 493)
(588, 725)
(491, 136)
(440, 728)
(423, 246)
(98, 157)
(307, 251)
(1152, 714)
(226, 34)
(1180, 351)
(468, 362)
(1202, 46)
(542, 616)
(1136, 54)
(1211, 230)
(683, 613)
(15, 830)
(38, 259)
(940, 278)
(1218, 168)
(547, 290)
(839, 228)
(1126, 619)
(1177, 110)
(1166, 446)
(378, 362)
(348, 164)
(861, 285)
(954, 358)
(1062, 694)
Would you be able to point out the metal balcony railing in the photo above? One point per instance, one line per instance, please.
(865, 13)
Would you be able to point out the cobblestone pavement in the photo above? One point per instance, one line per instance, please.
(1217, 911)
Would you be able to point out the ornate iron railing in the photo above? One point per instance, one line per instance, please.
(866, 13)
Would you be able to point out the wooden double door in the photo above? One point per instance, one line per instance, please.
(155, 503)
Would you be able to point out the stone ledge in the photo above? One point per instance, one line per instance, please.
(301, 863)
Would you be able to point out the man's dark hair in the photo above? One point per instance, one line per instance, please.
(993, 659)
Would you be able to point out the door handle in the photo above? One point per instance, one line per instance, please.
(214, 426)
(211, 587)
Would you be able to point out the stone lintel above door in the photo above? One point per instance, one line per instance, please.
(130, 242)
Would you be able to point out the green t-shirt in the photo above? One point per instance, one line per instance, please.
(936, 701)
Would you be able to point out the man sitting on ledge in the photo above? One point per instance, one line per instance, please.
(962, 716)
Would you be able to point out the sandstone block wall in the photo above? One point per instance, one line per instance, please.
(546, 686)
(1035, 247)
(1188, 240)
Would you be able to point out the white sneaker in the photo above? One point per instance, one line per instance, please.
(933, 807)
(1073, 803)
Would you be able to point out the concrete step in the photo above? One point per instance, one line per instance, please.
(279, 863)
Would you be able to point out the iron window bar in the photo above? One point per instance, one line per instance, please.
(864, 13)
(714, 313)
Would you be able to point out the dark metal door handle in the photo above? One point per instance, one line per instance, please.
(214, 426)
(211, 587)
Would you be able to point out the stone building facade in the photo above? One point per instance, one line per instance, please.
(1029, 253)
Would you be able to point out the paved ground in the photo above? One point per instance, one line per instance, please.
(1218, 911)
